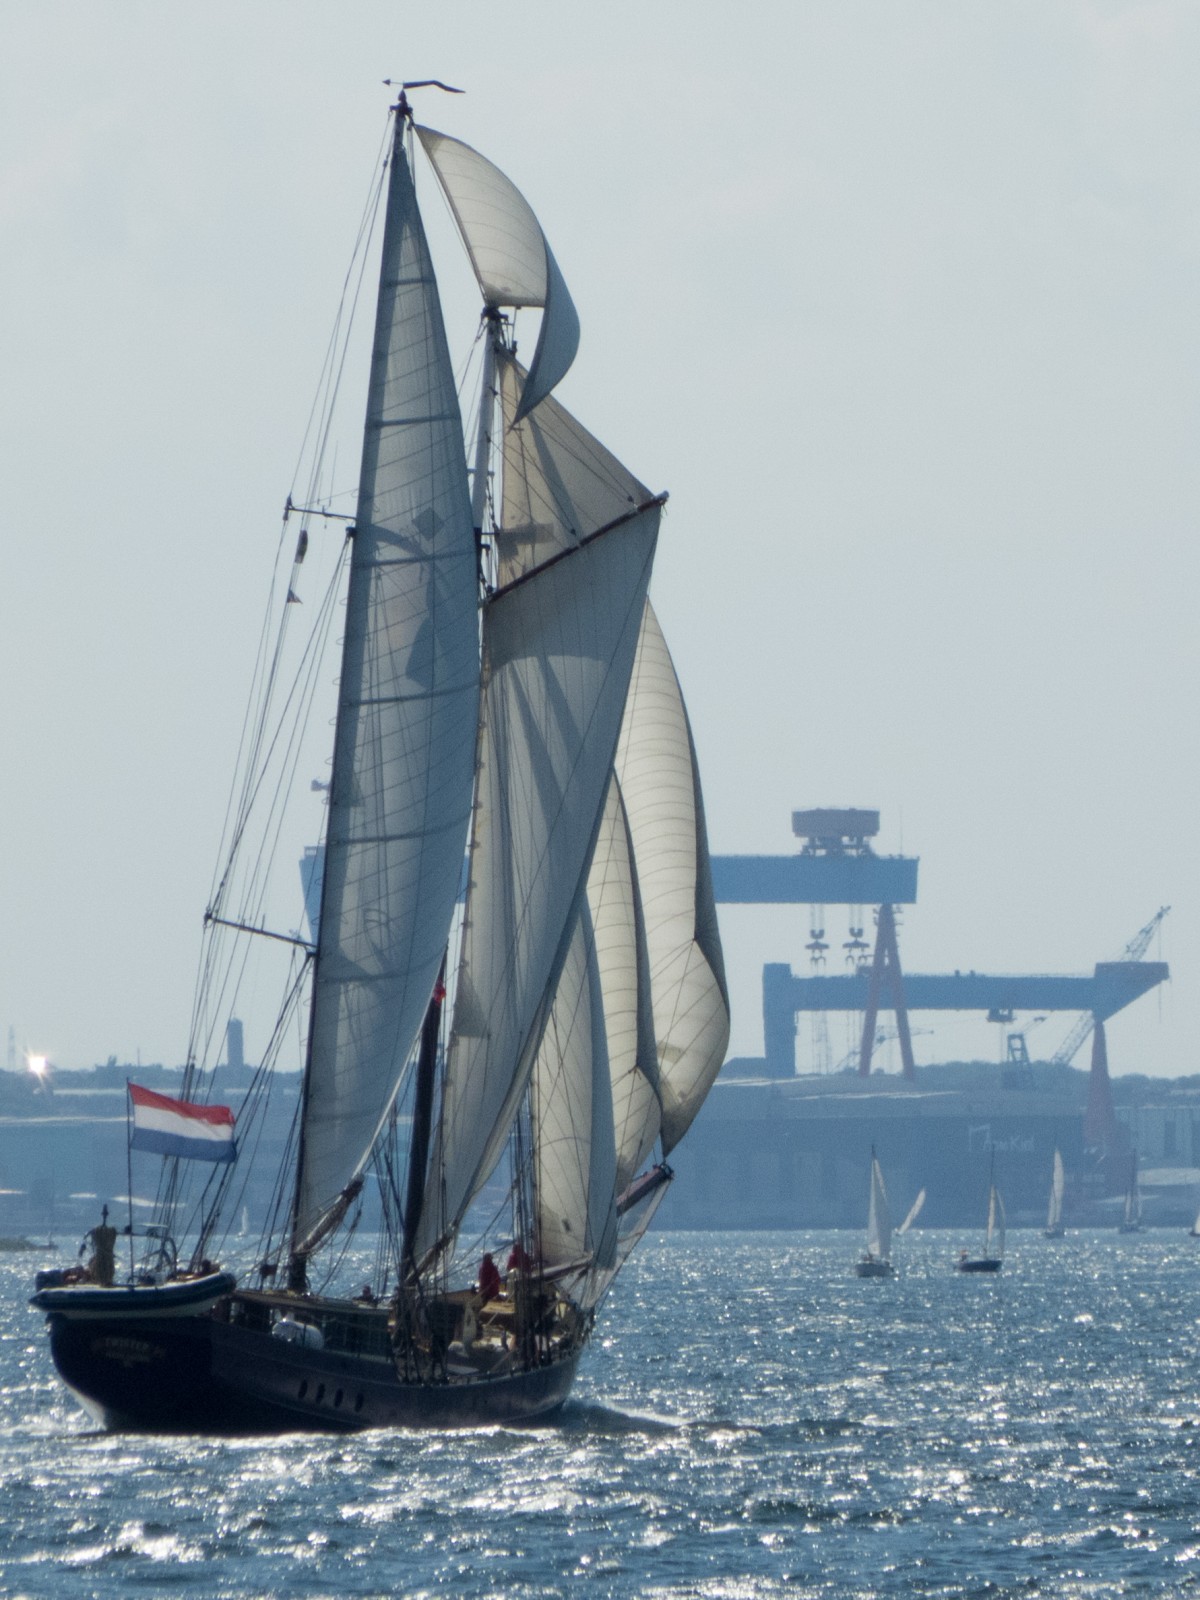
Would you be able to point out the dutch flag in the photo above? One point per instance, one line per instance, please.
(180, 1128)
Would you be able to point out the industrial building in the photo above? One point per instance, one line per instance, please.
(772, 1149)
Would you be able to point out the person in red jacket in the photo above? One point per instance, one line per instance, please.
(518, 1259)
(489, 1279)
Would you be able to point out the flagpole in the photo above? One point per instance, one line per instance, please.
(129, 1176)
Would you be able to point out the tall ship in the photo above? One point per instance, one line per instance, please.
(510, 1072)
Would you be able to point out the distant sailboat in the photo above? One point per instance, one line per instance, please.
(1194, 1230)
(877, 1262)
(993, 1244)
(1131, 1221)
(913, 1213)
(1054, 1223)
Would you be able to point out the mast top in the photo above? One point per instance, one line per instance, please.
(402, 107)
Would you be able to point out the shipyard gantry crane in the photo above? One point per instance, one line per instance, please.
(1086, 1021)
(837, 866)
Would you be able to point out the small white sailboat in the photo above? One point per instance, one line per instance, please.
(1054, 1222)
(877, 1262)
(1131, 1220)
(993, 1244)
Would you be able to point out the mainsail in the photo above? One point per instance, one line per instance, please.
(1057, 1190)
(994, 1244)
(879, 1220)
(558, 650)
(404, 751)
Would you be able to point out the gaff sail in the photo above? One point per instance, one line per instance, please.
(558, 651)
(404, 749)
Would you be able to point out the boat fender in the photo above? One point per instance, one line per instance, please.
(298, 1333)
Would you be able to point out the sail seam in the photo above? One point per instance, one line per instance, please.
(388, 838)
(406, 422)
(403, 699)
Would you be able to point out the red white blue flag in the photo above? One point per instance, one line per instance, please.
(180, 1127)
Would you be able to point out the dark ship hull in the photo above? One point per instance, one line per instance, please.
(215, 1374)
(980, 1264)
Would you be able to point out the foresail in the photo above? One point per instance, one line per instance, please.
(404, 752)
(558, 652)
(513, 262)
(624, 970)
(571, 1106)
(914, 1212)
(660, 786)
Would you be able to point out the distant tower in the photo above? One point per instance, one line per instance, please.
(233, 1044)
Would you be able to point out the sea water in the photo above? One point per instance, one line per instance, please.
(751, 1419)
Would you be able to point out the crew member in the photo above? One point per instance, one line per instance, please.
(102, 1266)
(489, 1278)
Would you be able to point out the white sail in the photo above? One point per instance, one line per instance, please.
(513, 262)
(571, 1103)
(879, 1219)
(560, 482)
(994, 1244)
(914, 1211)
(404, 751)
(1057, 1190)
(656, 767)
(558, 651)
(560, 485)
(625, 986)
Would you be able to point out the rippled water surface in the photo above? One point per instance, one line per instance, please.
(751, 1420)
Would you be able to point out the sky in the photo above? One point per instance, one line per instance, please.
(899, 303)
